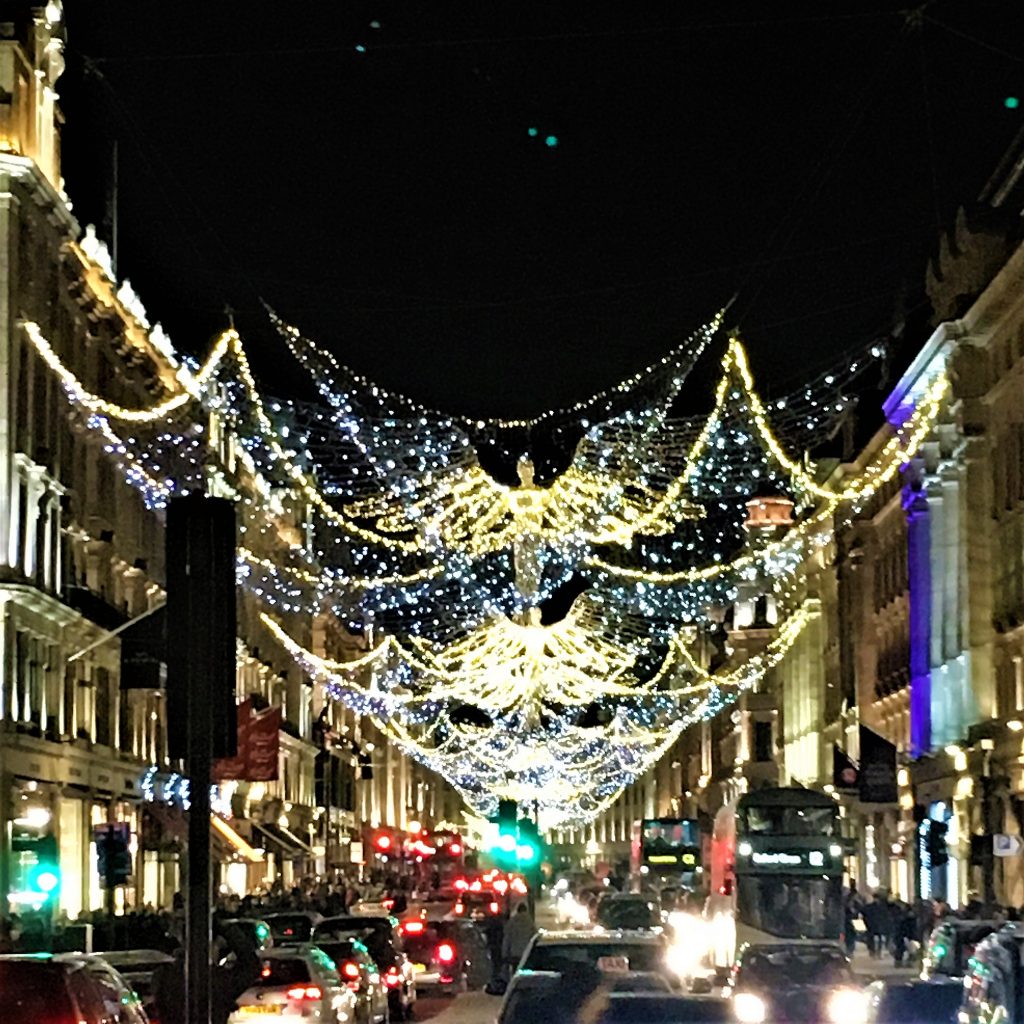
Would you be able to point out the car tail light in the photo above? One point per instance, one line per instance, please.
(387, 904)
(412, 927)
(456, 849)
(446, 952)
(265, 971)
(477, 886)
(460, 908)
(519, 886)
(500, 886)
(392, 979)
(350, 970)
(305, 992)
(461, 885)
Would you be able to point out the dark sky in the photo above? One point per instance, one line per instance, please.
(391, 201)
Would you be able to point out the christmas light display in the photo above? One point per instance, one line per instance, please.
(374, 509)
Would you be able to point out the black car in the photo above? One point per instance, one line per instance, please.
(774, 984)
(626, 911)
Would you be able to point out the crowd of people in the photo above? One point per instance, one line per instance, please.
(891, 926)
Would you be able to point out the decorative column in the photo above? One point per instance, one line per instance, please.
(919, 577)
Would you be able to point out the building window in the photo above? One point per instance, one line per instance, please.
(763, 741)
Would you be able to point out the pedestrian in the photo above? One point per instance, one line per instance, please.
(518, 932)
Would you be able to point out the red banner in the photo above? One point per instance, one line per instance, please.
(258, 744)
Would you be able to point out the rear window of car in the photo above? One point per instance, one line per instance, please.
(625, 914)
(375, 933)
(605, 956)
(296, 928)
(803, 967)
(34, 991)
(283, 971)
(420, 948)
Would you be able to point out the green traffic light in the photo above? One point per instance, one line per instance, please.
(1011, 102)
(526, 853)
(45, 878)
(551, 141)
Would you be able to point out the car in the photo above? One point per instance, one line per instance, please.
(795, 981)
(994, 980)
(382, 938)
(477, 906)
(914, 1002)
(951, 944)
(360, 973)
(441, 954)
(296, 983)
(257, 931)
(654, 1008)
(618, 910)
(42, 988)
(579, 994)
(137, 967)
(610, 953)
(292, 927)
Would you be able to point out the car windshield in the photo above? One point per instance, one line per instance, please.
(795, 967)
(283, 971)
(612, 913)
(34, 991)
(607, 957)
(290, 927)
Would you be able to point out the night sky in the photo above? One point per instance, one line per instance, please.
(369, 170)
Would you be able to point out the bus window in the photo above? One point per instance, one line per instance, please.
(791, 907)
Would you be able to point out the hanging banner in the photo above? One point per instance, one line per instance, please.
(877, 769)
(258, 745)
(845, 774)
(264, 740)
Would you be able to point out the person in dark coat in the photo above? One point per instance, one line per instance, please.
(237, 970)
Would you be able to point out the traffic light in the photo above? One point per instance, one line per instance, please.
(384, 842)
(528, 843)
(935, 843)
(44, 876)
(113, 857)
(507, 812)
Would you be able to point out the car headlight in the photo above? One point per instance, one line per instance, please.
(847, 1006)
(748, 1008)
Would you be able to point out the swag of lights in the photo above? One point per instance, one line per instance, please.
(412, 533)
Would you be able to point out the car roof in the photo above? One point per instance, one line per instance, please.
(127, 957)
(312, 915)
(57, 958)
(296, 952)
(567, 938)
(816, 945)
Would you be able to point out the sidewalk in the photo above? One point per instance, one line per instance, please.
(883, 968)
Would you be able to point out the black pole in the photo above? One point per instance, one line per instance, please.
(200, 882)
(201, 700)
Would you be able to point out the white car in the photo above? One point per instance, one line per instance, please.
(296, 983)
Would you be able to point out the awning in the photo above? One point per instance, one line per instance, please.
(283, 842)
(222, 831)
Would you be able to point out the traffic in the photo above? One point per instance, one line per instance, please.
(747, 922)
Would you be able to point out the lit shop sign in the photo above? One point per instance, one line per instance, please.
(787, 859)
(687, 860)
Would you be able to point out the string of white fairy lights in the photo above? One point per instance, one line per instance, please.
(437, 552)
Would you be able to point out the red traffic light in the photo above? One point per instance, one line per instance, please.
(383, 842)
